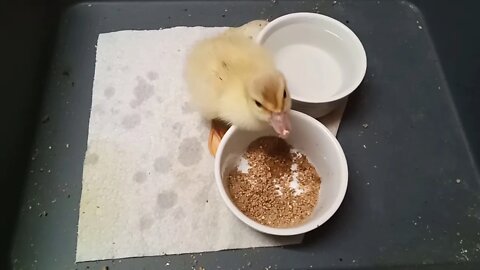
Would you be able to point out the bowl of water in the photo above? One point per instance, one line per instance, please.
(322, 59)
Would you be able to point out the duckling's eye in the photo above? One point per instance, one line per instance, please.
(284, 94)
(258, 104)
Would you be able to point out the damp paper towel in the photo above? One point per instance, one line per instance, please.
(148, 182)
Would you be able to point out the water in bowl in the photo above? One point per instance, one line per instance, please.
(312, 73)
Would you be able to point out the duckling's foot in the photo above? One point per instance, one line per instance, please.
(217, 130)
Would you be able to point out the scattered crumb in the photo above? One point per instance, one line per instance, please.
(364, 146)
(67, 145)
(50, 147)
(463, 255)
(45, 119)
(420, 27)
(458, 181)
(281, 187)
(365, 125)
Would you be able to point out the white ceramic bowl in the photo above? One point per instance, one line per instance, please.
(322, 149)
(321, 58)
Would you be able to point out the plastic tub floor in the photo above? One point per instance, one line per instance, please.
(413, 196)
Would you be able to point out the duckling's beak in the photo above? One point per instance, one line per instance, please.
(281, 123)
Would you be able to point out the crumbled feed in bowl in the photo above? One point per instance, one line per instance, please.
(278, 188)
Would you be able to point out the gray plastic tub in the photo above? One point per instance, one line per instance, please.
(414, 190)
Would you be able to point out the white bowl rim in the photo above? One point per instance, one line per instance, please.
(306, 227)
(293, 16)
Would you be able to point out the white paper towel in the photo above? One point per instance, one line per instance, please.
(148, 183)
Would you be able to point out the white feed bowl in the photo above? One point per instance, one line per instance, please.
(321, 148)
